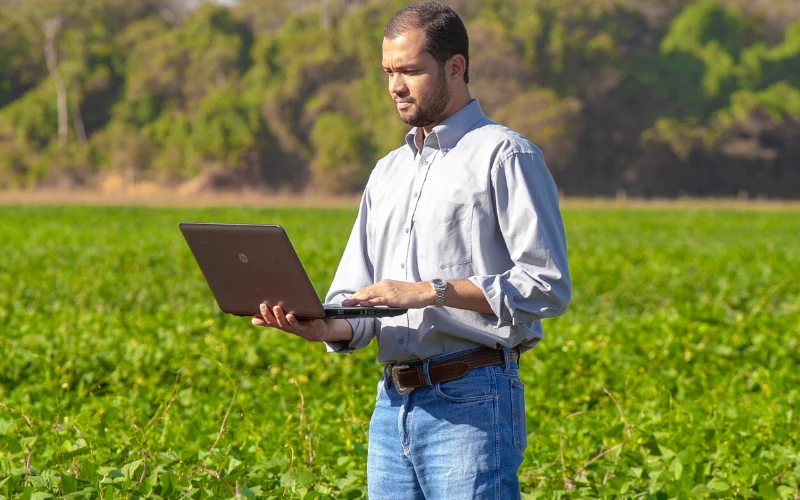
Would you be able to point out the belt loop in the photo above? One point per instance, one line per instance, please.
(426, 376)
(506, 359)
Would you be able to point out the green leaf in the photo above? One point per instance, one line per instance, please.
(29, 441)
(150, 484)
(168, 484)
(676, 468)
(7, 427)
(247, 492)
(786, 492)
(79, 447)
(303, 477)
(14, 445)
(666, 452)
(69, 482)
(84, 494)
(718, 485)
(232, 464)
(130, 470)
(700, 491)
(767, 491)
(88, 471)
(39, 481)
(352, 494)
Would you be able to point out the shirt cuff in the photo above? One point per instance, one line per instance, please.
(492, 287)
(363, 333)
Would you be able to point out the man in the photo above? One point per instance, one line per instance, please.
(462, 226)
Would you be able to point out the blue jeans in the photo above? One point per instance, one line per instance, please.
(461, 439)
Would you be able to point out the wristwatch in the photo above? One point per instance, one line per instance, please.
(439, 286)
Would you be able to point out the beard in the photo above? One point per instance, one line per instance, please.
(431, 107)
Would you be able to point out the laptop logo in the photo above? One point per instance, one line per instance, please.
(243, 258)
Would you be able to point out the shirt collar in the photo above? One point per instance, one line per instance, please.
(447, 134)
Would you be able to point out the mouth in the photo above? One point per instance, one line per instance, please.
(402, 105)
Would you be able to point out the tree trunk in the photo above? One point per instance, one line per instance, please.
(51, 28)
(77, 121)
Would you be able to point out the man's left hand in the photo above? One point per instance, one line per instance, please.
(394, 294)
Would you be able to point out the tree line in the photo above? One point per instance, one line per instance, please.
(649, 98)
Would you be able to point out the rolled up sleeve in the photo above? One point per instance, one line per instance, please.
(526, 203)
(355, 272)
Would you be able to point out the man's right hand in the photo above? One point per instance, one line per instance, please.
(315, 330)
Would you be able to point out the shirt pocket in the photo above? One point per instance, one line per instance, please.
(444, 233)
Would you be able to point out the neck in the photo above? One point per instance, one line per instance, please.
(460, 99)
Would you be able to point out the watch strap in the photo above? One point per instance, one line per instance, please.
(439, 286)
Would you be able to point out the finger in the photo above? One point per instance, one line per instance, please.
(269, 318)
(279, 316)
(283, 318)
(361, 295)
(259, 321)
(375, 301)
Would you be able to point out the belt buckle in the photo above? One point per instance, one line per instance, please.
(397, 385)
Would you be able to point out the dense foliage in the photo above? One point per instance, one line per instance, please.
(650, 97)
(673, 375)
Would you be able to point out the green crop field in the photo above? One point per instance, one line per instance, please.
(673, 375)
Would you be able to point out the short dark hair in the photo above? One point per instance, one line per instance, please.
(445, 33)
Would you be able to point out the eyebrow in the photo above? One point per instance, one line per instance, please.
(401, 68)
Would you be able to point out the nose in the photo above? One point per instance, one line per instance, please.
(397, 84)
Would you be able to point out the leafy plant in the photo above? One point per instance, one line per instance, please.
(673, 374)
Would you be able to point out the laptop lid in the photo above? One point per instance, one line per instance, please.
(247, 264)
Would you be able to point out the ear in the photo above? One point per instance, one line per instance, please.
(458, 65)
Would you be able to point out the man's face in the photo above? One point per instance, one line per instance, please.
(417, 83)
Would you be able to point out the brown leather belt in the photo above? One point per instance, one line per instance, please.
(407, 378)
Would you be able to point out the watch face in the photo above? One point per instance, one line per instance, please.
(437, 282)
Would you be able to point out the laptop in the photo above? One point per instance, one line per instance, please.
(247, 264)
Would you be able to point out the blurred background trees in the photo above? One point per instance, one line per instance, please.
(653, 97)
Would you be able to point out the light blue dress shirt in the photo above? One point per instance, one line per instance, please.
(476, 202)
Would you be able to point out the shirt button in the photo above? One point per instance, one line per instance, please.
(424, 162)
(406, 230)
(415, 195)
(399, 341)
(402, 266)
